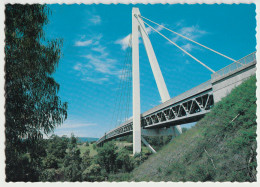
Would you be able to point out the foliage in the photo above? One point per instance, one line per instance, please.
(48, 175)
(157, 142)
(106, 157)
(72, 162)
(124, 161)
(128, 138)
(120, 177)
(220, 147)
(32, 106)
(93, 173)
(50, 161)
(86, 160)
(94, 146)
(83, 149)
(184, 129)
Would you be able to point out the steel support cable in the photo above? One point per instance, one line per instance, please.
(119, 113)
(116, 99)
(180, 48)
(123, 106)
(123, 89)
(118, 92)
(189, 39)
(128, 81)
(127, 96)
(127, 84)
(129, 89)
(121, 94)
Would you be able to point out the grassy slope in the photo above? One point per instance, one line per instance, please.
(216, 149)
(83, 149)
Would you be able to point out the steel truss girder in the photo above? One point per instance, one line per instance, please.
(188, 108)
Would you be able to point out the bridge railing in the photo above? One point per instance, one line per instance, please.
(234, 66)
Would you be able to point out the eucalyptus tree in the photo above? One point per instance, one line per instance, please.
(32, 105)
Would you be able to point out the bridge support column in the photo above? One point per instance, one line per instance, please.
(165, 96)
(136, 84)
(138, 26)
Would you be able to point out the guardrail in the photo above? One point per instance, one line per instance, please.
(234, 66)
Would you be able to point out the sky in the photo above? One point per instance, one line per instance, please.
(95, 38)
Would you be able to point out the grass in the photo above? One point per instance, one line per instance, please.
(83, 148)
(122, 144)
(217, 148)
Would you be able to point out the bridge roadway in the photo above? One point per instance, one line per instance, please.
(193, 104)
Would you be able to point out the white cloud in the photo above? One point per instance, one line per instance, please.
(99, 49)
(68, 132)
(95, 19)
(192, 32)
(92, 41)
(78, 66)
(187, 47)
(74, 125)
(71, 126)
(179, 23)
(149, 30)
(124, 41)
(99, 67)
(101, 63)
(96, 80)
(83, 43)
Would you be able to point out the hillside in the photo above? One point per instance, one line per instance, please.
(220, 147)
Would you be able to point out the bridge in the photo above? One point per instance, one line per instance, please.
(190, 106)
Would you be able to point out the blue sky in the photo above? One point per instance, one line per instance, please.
(94, 49)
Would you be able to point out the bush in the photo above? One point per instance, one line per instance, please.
(92, 173)
(48, 175)
(124, 161)
(106, 157)
(50, 161)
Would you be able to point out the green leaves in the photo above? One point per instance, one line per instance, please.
(220, 147)
(106, 157)
(32, 105)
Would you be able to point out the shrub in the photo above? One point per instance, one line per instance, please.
(106, 157)
(48, 175)
(124, 161)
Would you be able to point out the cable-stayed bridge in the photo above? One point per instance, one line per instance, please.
(190, 106)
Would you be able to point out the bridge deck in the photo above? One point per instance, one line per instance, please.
(198, 91)
(187, 107)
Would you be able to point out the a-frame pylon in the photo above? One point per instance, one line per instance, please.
(138, 26)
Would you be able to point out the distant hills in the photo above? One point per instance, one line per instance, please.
(86, 139)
